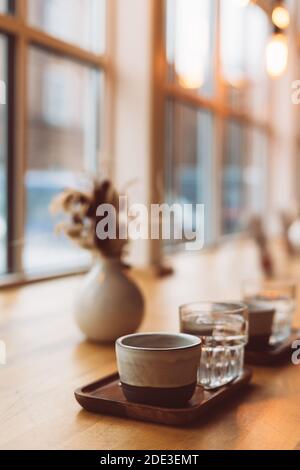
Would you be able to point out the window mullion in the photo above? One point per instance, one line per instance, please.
(18, 164)
(21, 9)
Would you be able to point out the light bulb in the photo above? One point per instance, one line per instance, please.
(192, 44)
(191, 81)
(281, 17)
(277, 55)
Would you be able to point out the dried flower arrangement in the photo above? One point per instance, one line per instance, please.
(81, 225)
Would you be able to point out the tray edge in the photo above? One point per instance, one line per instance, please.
(173, 417)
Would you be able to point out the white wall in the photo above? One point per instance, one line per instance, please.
(132, 62)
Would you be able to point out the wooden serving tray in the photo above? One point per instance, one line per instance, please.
(106, 397)
(273, 355)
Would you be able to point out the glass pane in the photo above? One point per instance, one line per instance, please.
(4, 6)
(190, 43)
(244, 35)
(189, 146)
(233, 197)
(81, 22)
(256, 172)
(3, 151)
(63, 142)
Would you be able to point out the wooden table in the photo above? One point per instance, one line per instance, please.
(48, 359)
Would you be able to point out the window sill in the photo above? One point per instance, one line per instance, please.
(20, 279)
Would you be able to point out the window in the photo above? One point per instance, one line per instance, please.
(56, 68)
(190, 27)
(189, 166)
(245, 175)
(216, 99)
(4, 5)
(63, 103)
(243, 35)
(256, 171)
(233, 195)
(3, 152)
(80, 22)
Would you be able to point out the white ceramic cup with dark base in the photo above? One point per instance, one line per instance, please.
(158, 368)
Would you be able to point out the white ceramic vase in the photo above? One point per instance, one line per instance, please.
(109, 305)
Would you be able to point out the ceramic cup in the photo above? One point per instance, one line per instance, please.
(158, 368)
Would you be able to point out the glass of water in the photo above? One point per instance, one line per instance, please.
(276, 295)
(223, 330)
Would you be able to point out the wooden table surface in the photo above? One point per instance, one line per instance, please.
(48, 358)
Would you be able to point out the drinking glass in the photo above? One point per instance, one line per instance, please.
(223, 330)
(276, 295)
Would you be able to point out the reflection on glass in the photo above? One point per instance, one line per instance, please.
(81, 22)
(190, 33)
(3, 151)
(233, 197)
(189, 162)
(63, 142)
(244, 35)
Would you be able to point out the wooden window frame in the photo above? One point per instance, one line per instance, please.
(216, 104)
(21, 35)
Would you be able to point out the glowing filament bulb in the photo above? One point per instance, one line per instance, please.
(277, 55)
(281, 17)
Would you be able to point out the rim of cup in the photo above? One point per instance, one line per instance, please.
(194, 342)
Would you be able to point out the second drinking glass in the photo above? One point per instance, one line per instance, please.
(223, 330)
(279, 296)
